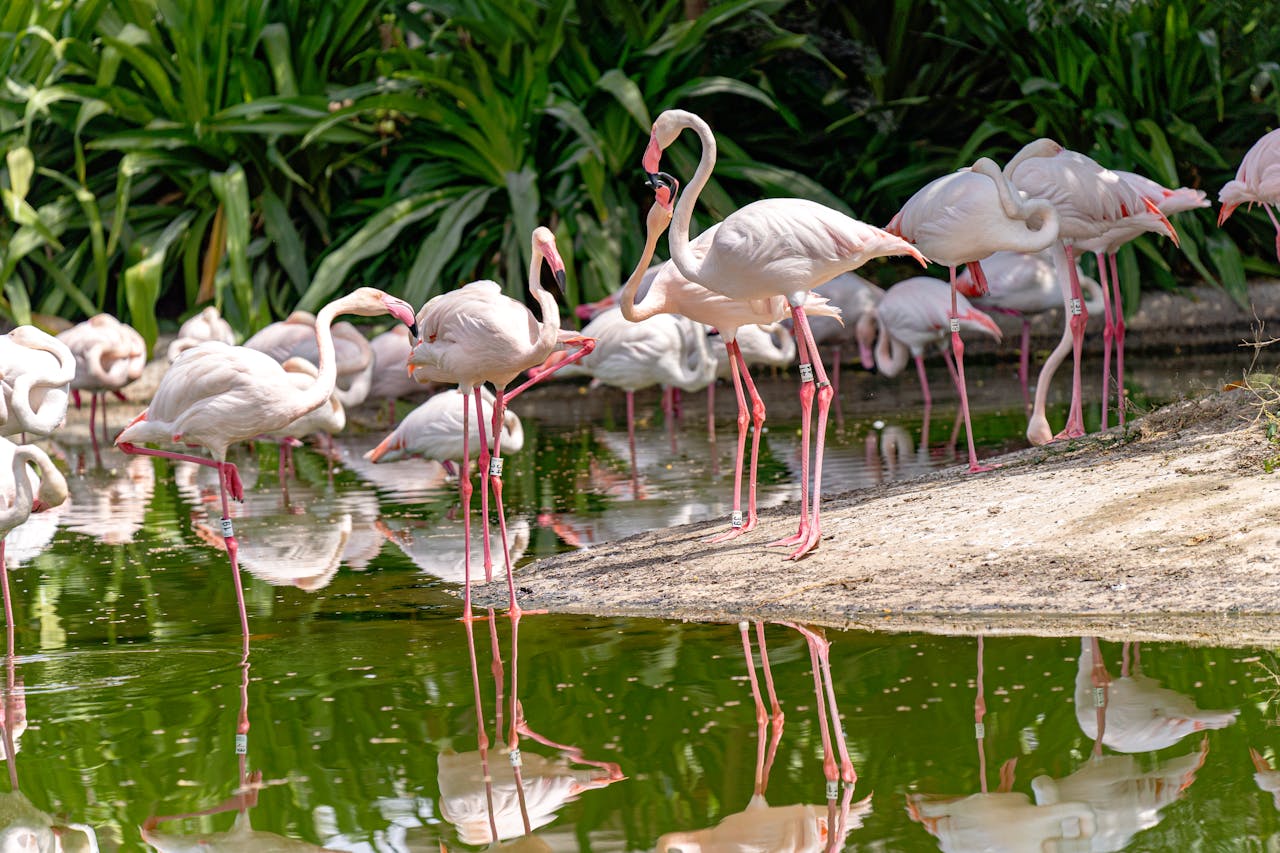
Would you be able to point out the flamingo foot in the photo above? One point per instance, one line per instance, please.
(470, 618)
(975, 468)
(1071, 431)
(734, 532)
(231, 477)
(516, 611)
(810, 543)
(788, 541)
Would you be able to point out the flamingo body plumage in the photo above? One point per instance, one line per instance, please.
(36, 371)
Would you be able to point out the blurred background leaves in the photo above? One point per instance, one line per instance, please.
(162, 155)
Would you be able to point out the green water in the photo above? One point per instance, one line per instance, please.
(126, 692)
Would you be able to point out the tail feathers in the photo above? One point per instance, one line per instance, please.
(1154, 209)
(817, 305)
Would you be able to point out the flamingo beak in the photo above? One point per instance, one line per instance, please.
(652, 155)
(38, 505)
(978, 318)
(400, 309)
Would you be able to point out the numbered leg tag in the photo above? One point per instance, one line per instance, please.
(242, 744)
(833, 789)
(1076, 309)
(495, 466)
(735, 520)
(955, 325)
(979, 730)
(516, 761)
(806, 372)
(1099, 697)
(227, 532)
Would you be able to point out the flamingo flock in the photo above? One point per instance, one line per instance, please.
(773, 281)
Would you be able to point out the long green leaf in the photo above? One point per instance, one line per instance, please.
(424, 277)
(232, 189)
(142, 279)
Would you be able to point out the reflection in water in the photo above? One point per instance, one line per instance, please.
(793, 828)
(507, 794)
(437, 546)
(110, 503)
(1141, 716)
(1000, 821)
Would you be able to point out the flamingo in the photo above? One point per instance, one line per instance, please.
(295, 336)
(36, 370)
(19, 497)
(1257, 181)
(390, 380)
(434, 430)
(207, 325)
(1169, 202)
(215, 395)
(109, 355)
(328, 419)
(667, 291)
(964, 217)
(1090, 202)
(1022, 284)
(917, 312)
(772, 247)
(474, 335)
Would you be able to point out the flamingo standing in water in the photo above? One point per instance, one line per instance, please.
(773, 247)
(1257, 181)
(208, 325)
(1022, 284)
(670, 292)
(36, 370)
(474, 335)
(917, 312)
(966, 216)
(19, 498)
(109, 355)
(1169, 202)
(434, 431)
(295, 336)
(1090, 202)
(215, 395)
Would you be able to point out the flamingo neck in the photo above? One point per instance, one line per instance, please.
(549, 330)
(1020, 210)
(890, 354)
(681, 253)
(318, 392)
(653, 302)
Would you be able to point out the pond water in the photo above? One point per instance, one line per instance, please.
(365, 698)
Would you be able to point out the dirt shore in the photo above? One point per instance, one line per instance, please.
(1168, 530)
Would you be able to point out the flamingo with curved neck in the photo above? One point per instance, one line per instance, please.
(215, 395)
(772, 247)
(968, 215)
(475, 334)
(38, 370)
(669, 292)
(18, 500)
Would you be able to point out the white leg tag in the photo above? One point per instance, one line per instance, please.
(979, 730)
(1099, 697)
(833, 789)
(227, 532)
(735, 520)
(516, 760)
(495, 466)
(242, 744)
(806, 372)
(955, 325)
(1076, 310)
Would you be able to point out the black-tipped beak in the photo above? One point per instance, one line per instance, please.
(413, 330)
(560, 279)
(658, 180)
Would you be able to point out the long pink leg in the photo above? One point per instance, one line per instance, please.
(631, 443)
(229, 485)
(762, 716)
(106, 432)
(1101, 683)
(818, 651)
(980, 730)
(513, 736)
(8, 606)
(736, 525)
(495, 480)
(837, 364)
(483, 463)
(1108, 334)
(824, 406)
(957, 346)
(711, 413)
(775, 709)
(924, 382)
(1024, 363)
(757, 424)
(1078, 317)
(482, 737)
(1119, 309)
(806, 418)
(499, 674)
(584, 345)
(464, 492)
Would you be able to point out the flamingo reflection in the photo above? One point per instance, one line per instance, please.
(1003, 821)
(501, 796)
(797, 828)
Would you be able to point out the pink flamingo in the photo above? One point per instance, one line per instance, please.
(390, 380)
(964, 217)
(434, 431)
(474, 335)
(295, 336)
(207, 325)
(109, 355)
(669, 292)
(215, 395)
(1022, 284)
(36, 370)
(328, 419)
(1169, 202)
(917, 312)
(854, 297)
(773, 247)
(19, 498)
(1090, 201)
(1257, 181)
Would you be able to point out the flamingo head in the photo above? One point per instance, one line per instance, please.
(1225, 213)
(544, 245)
(371, 302)
(865, 331)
